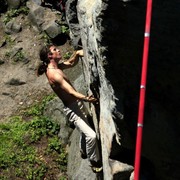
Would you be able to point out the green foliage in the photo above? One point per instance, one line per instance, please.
(46, 38)
(67, 55)
(14, 151)
(10, 42)
(65, 29)
(42, 127)
(19, 147)
(14, 13)
(9, 39)
(19, 56)
(55, 145)
(8, 54)
(38, 108)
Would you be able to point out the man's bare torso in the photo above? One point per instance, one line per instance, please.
(66, 98)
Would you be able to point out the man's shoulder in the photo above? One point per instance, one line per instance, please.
(54, 75)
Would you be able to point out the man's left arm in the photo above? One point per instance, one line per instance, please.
(72, 61)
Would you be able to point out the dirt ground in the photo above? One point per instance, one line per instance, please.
(19, 85)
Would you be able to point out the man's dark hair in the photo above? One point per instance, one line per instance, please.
(43, 54)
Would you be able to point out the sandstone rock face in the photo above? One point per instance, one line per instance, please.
(111, 34)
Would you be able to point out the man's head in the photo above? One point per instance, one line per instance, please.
(46, 54)
(54, 54)
(43, 54)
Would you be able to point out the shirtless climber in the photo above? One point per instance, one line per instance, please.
(73, 101)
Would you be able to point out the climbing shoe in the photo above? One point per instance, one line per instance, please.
(96, 166)
(96, 169)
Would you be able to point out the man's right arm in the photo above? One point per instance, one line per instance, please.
(72, 61)
(70, 90)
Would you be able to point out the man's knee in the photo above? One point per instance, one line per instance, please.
(92, 137)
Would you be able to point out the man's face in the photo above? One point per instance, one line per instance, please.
(55, 53)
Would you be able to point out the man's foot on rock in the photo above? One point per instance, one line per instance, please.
(96, 166)
(96, 169)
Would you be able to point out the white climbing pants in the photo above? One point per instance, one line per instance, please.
(76, 114)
